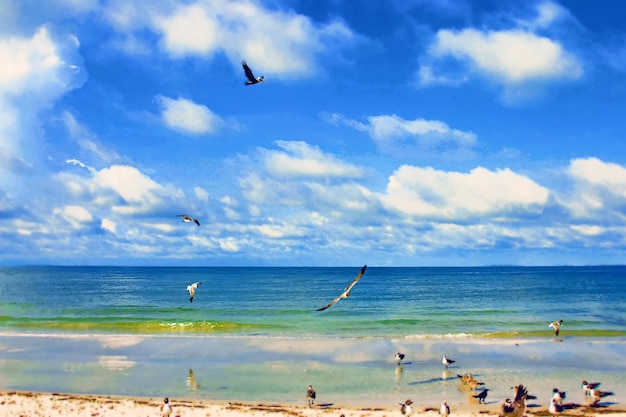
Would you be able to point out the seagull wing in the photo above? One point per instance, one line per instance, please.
(196, 221)
(356, 279)
(347, 290)
(248, 71)
(330, 304)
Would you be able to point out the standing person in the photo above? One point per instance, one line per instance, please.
(310, 395)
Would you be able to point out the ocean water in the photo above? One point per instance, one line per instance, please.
(254, 333)
(387, 302)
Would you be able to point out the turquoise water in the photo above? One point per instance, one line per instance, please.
(254, 334)
(387, 302)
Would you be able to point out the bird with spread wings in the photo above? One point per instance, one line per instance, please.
(346, 292)
(188, 219)
(250, 76)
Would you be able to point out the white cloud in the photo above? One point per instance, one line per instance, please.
(108, 225)
(395, 135)
(75, 215)
(280, 43)
(34, 72)
(122, 189)
(599, 190)
(430, 193)
(512, 57)
(187, 116)
(303, 160)
(521, 59)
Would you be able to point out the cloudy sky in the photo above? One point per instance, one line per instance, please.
(392, 133)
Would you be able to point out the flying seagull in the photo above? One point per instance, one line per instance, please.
(556, 325)
(192, 290)
(188, 219)
(250, 76)
(346, 292)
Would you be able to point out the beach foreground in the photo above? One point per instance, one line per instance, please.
(37, 404)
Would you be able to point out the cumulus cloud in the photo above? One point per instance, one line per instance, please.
(515, 58)
(35, 71)
(599, 190)
(456, 196)
(510, 57)
(395, 135)
(282, 43)
(186, 116)
(121, 188)
(299, 159)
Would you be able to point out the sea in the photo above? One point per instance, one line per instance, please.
(254, 333)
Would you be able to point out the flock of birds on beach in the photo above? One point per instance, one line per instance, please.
(515, 406)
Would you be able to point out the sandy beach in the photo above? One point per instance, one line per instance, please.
(37, 404)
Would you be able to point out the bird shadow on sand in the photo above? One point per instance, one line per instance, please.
(325, 405)
(427, 381)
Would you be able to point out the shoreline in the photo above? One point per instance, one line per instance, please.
(358, 373)
(52, 404)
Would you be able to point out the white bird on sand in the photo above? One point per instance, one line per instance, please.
(250, 76)
(192, 290)
(556, 325)
(588, 386)
(406, 408)
(596, 395)
(555, 407)
(447, 361)
(558, 396)
(188, 219)
(399, 357)
(346, 292)
(166, 408)
(444, 409)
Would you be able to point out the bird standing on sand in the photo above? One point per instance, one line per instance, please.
(596, 395)
(482, 396)
(406, 408)
(346, 292)
(192, 290)
(447, 361)
(188, 219)
(399, 357)
(166, 408)
(310, 395)
(588, 386)
(555, 407)
(556, 325)
(444, 409)
(250, 76)
(558, 396)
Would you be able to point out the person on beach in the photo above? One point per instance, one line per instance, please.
(166, 408)
(310, 395)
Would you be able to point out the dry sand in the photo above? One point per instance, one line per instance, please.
(35, 404)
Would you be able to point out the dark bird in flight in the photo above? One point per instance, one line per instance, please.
(192, 290)
(250, 76)
(346, 292)
(188, 219)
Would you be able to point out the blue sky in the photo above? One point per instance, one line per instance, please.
(392, 133)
